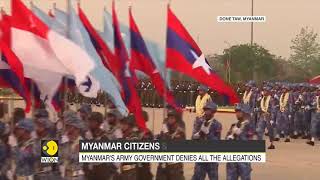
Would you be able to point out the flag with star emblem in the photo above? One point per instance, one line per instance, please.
(184, 55)
(141, 60)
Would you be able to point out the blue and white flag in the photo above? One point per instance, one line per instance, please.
(100, 77)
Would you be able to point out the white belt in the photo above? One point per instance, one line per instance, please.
(45, 169)
(128, 167)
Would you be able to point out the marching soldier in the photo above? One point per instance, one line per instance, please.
(284, 113)
(84, 113)
(171, 130)
(201, 100)
(265, 117)
(44, 129)
(315, 120)
(299, 117)
(250, 98)
(22, 148)
(144, 169)
(207, 128)
(112, 125)
(131, 133)
(4, 151)
(99, 171)
(70, 167)
(240, 131)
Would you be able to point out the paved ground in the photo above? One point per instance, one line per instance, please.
(289, 161)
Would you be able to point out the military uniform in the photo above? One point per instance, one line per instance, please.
(23, 154)
(105, 171)
(201, 101)
(250, 98)
(171, 171)
(4, 152)
(299, 117)
(265, 118)
(206, 130)
(315, 120)
(240, 131)
(44, 171)
(283, 113)
(70, 166)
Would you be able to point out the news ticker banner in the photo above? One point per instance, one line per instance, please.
(172, 151)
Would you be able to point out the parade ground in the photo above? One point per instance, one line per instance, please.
(289, 161)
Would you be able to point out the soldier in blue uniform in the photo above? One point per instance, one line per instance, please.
(250, 98)
(171, 130)
(299, 116)
(240, 131)
(207, 128)
(4, 150)
(315, 120)
(283, 111)
(44, 131)
(23, 151)
(265, 116)
(70, 167)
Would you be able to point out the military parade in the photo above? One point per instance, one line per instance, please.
(280, 111)
(71, 92)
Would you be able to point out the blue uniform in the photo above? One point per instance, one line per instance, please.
(211, 131)
(245, 132)
(315, 120)
(283, 114)
(266, 119)
(25, 159)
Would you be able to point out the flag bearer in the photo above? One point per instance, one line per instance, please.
(201, 100)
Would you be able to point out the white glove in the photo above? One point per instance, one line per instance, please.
(164, 128)
(64, 139)
(62, 170)
(12, 141)
(196, 135)
(88, 135)
(271, 122)
(204, 129)
(289, 116)
(10, 175)
(230, 137)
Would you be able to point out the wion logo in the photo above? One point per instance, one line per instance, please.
(49, 151)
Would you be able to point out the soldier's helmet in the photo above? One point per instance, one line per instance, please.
(26, 124)
(115, 113)
(41, 113)
(211, 106)
(130, 120)
(45, 121)
(85, 108)
(203, 88)
(245, 108)
(75, 121)
(4, 129)
(96, 116)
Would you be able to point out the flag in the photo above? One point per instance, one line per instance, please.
(100, 76)
(11, 73)
(76, 61)
(155, 50)
(50, 63)
(141, 60)
(131, 97)
(184, 55)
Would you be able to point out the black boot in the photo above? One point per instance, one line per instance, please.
(311, 143)
(287, 140)
(271, 147)
(276, 139)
